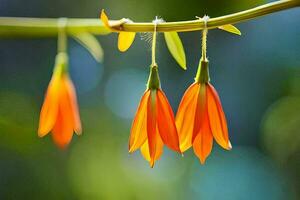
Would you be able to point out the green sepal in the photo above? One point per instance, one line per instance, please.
(153, 80)
(61, 63)
(202, 75)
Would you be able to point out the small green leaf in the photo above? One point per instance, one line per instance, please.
(176, 48)
(91, 43)
(230, 28)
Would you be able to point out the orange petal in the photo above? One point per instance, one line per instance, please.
(72, 100)
(138, 133)
(200, 115)
(64, 125)
(185, 116)
(63, 130)
(166, 123)
(152, 125)
(217, 118)
(204, 140)
(104, 19)
(49, 109)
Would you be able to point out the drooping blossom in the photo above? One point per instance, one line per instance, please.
(200, 117)
(154, 124)
(59, 114)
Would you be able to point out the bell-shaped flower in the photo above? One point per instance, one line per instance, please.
(200, 117)
(154, 124)
(59, 114)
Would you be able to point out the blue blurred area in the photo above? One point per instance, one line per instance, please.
(256, 75)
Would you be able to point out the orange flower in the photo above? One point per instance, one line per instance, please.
(59, 112)
(200, 117)
(154, 124)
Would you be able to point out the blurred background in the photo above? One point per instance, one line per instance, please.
(257, 76)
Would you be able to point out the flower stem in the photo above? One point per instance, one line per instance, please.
(62, 38)
(204, 43)
(154, 47)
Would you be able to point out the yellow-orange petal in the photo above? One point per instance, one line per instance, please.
(125, 39)
(49, 109)
(217, 118)
(166, 123)
(185, 116)
(145, 151)
(72, 100)
(138, 133)
(158, 151)
(203, 142)
(104, 19)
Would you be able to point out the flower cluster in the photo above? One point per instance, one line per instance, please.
(199, 120)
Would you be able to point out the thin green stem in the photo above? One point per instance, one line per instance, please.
(37, 27)
(154, 48)
(204, 37)
(204, 43)
(62, 38)
(154, 45)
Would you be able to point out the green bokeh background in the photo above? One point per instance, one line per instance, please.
(257, 76)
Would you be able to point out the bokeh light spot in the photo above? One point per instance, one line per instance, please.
(243, 173)
(123, 92)
(86, 73)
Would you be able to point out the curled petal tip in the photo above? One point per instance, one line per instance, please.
(62, 146)
(130, 150)
(41, 132)
(152, 163)
(202, 161)
(229, 145)
(178, 150)
(40, 135)
(78, 132)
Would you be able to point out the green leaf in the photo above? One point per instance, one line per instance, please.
(230, 28)
(176, 48)
(91, 43)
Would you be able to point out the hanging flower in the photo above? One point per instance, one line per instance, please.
(59, 112)
(200, 117)
(154, 124)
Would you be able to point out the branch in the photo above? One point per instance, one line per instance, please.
(41, 27)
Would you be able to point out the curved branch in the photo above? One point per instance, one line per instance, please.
(194, 25)
(41, 27)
